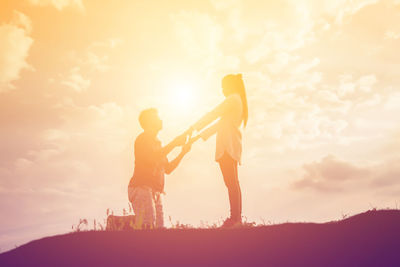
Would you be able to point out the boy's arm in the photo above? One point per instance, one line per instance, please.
(178, 141)
(171, 166)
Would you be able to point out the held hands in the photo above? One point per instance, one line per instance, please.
(186, 140)
(186, 147)
(180, 140)
(189, 131)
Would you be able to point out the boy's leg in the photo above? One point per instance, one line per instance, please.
(159, 210)
(143, 207)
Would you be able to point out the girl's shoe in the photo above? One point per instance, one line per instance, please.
(231, 223)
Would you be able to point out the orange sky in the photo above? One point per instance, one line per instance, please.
(322, 80)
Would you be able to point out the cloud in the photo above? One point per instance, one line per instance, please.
(342, 9)
(367, 82)
(21, 20)
(330, 174)
(75, 80)
(272, 28)
(95, 58)
(78, 162)
(110, 43)
(91, 125)
(82, 130)
(22, 164)
(306, 66)
(59, 4)
(313, 62)
(224, 4)
(15, 44)
(279, 62)
(392, 35)
(393, 102)
(307, 75)
(389, 176)
(351, 93)
(200, 36)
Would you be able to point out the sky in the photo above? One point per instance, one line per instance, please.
(323, 85)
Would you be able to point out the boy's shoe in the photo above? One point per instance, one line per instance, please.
(231, 223)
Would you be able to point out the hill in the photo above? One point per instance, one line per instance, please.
(368, 239)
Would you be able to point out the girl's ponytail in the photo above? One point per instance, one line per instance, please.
(242, 92)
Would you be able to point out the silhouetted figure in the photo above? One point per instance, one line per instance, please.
(151, 163)
(231, 113)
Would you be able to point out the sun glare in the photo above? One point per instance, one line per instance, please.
(183, 95)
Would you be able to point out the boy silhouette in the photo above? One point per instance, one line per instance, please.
(151, 163)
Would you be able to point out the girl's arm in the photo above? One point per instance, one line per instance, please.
(210, 131)
(211, 116)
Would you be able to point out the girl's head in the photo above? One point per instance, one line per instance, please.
(233, 84)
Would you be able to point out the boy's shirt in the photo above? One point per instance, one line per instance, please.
(149, 166)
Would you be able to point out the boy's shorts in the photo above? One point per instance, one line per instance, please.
(147, 206)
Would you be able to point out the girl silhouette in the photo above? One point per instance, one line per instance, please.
(232, 112)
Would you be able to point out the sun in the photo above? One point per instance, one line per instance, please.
(183, 95)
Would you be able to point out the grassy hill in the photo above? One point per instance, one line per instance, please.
(368, 239)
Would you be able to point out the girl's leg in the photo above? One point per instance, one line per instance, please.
(239, 191)
(229, 172)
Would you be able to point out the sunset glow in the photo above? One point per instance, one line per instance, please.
(323, 88)
(183, 95)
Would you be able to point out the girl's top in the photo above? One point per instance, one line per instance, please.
(229, 137)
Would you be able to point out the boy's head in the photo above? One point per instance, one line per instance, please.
(149, 120)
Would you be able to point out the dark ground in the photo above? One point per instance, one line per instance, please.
(368, 239)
